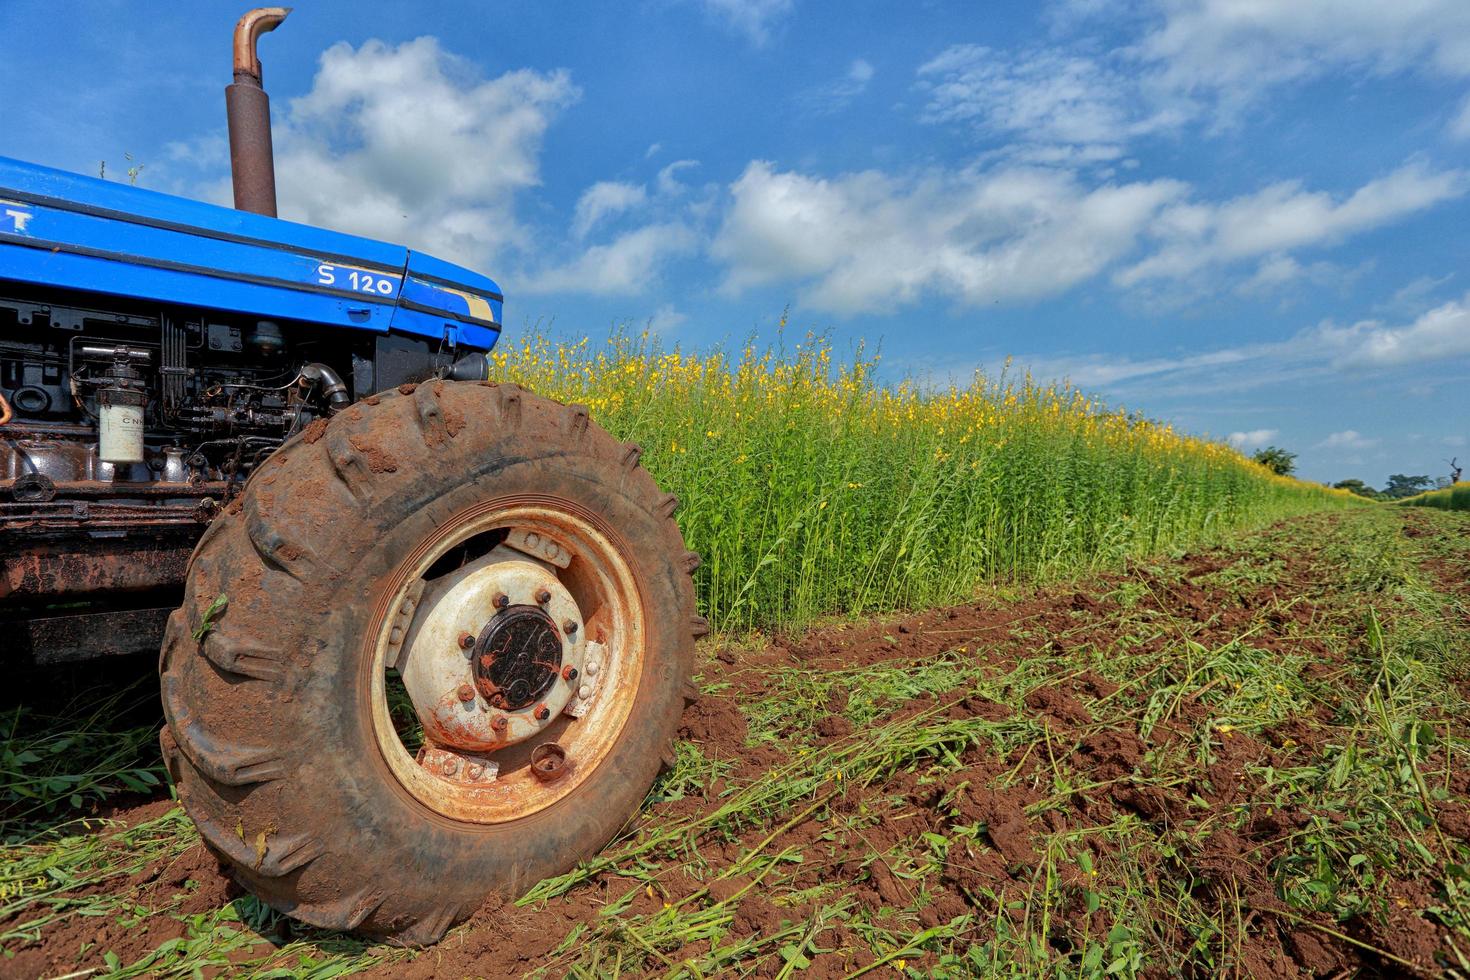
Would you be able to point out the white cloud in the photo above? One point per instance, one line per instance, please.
(1238, 48)
(1284, 216)
(1254, 439)
(1414, 296)
(404, 143)
(666, 319)
(1348, 440)
(1441, 333)
(1106, 371)
(1276, 272)
(668, 225)
(1046, 98)
(1180, 61)
(628, 265)
(1459, 127)
(1369, 347)
(834, 95)
(869, 241)
(604, 199)
(756, 19)
(668, 177)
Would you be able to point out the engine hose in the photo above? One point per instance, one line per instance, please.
(5, 413)
(332, 386)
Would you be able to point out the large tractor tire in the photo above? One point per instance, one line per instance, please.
(490, 566)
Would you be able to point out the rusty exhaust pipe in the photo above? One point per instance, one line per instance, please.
(248, 109)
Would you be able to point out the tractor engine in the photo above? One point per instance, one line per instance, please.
(125, 429)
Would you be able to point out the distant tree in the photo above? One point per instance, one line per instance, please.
(1400, 486)
(1358, 487)
(1276, 459)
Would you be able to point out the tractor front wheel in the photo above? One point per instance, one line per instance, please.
(437, 650)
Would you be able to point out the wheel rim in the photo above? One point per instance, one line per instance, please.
(471, 769)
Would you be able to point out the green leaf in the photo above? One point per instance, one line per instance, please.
(207, 622)
(793, 955)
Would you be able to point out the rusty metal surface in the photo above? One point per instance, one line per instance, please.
(88, 489)
(82, 569)
(248, 29)
(511, 669)
(61, 516)
(252, 161)
(584, 719)
(248, 113)
(83, 636)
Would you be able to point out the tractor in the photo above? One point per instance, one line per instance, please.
(423, 637)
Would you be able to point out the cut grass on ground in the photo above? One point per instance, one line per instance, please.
(1247, 760)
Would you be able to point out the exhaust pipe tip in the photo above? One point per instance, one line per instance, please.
(261, 20)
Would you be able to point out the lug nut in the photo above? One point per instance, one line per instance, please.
(500, 601)
(543, 595)
(466, 640)
(466, 693)
(498, 723)
(542, 712)
(569, 673)
(570, 626)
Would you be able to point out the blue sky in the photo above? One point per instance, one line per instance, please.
(1247, 217)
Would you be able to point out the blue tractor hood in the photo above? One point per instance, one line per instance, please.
(66, 230)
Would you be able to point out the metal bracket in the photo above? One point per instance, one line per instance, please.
(593, 664)
(462, 767)
(539, 546)
(402, 618)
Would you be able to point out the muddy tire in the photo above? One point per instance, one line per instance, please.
(275, 695)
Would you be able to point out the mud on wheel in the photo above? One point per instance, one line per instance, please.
(489, 565)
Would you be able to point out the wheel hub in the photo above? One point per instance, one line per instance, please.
(517, 657)
(476, 761)
(494, 654)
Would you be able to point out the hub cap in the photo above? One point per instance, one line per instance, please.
(517, 658)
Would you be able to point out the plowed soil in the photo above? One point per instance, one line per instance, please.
(1205, 765)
